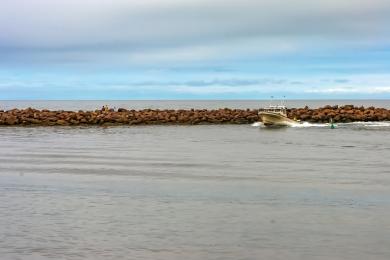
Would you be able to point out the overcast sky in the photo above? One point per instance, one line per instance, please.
(194, 49)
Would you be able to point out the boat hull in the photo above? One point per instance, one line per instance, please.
(275, 119)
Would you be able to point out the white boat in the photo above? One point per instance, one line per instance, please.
(276, 116)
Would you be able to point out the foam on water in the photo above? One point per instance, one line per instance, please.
(370, 124)
(353, 124)
(297, 125)
(307, 124)
(257, 124)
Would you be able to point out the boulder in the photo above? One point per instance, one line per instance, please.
(61, 122)
(11, 120)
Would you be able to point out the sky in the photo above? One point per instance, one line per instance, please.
(194, 49)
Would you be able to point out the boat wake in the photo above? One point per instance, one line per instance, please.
(257, 124)
(384, 124)
(307, 124)
(370, 124)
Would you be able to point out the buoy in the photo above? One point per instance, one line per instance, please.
(332, 126)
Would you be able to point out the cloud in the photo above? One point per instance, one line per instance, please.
(213, 82)
(164, 30)
(111, 87)
(350, 90)
(154, 48)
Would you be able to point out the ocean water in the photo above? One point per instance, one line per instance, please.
(179, 104)
(195, 192)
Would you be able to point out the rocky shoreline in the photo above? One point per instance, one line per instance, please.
(30, 116)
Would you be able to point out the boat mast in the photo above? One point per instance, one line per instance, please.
(270, 102)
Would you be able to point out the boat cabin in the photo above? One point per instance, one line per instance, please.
(275, 109)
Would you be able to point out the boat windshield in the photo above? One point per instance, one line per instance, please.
(275, 109)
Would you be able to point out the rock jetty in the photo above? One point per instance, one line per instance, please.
(343, 114)
(30, 116)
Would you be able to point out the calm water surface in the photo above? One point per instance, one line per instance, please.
(179, 104)
(195, 192)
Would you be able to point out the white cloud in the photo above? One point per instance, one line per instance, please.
(161, 30)
(350, 90)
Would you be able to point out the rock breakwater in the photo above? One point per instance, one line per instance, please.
(30, 116)
(343, 114)
(127, 117)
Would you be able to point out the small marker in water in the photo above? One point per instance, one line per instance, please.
(332, 126)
